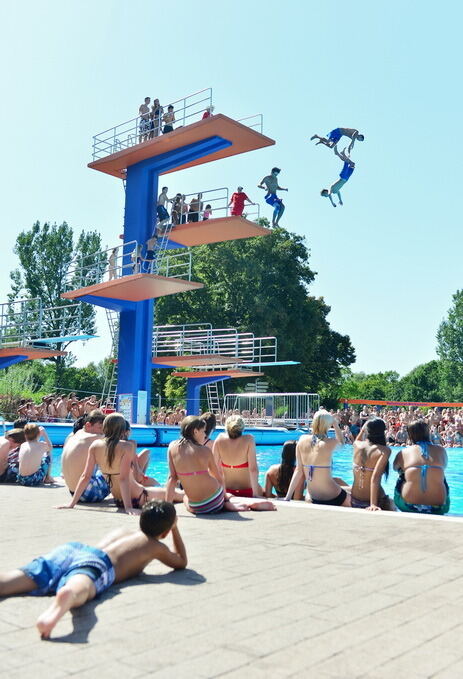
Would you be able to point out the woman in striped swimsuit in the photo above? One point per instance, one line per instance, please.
(192, 463)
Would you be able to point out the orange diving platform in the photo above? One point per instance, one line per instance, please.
(195, 360)
(11, 355)
(240, 138)
(217, 373)
(216, 231)
(133, 288)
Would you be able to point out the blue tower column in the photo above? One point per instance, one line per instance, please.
(136, 322)
(193, 392)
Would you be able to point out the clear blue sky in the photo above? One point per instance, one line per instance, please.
(387, 262)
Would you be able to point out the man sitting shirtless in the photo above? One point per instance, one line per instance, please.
(77, 573)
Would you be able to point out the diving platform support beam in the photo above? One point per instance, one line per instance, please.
(193, 391)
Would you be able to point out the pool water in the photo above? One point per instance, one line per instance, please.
(342, 466)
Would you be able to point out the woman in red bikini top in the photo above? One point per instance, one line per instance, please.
(235, 454)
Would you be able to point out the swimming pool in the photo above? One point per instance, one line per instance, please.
(268, 455)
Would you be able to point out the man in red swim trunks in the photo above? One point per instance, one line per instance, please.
(237, 202)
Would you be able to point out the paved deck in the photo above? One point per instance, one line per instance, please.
(314, 592)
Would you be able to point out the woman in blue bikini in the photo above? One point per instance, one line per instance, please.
(421, 486)
(314, 454)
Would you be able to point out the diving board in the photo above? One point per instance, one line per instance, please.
(215, 231)
(133, 288)
(191, 361)
(217, 373)
(64, 338)
(220, 136)
(11, 355)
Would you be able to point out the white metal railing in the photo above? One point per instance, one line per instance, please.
(201, 205)
(256, 122)
(137, 130)
(273, 409)
(187, 340)
(123, 260)
(27, 320)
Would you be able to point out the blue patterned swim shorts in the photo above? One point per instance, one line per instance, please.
(37, 477)
(97, 489)
(52, 571)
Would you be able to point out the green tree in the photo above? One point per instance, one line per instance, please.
(46, 255)
(450, 349)
(260, 285)
(423, 383)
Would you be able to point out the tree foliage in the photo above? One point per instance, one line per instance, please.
(45, 254)
(260, 285)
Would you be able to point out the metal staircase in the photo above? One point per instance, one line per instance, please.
(109, 394)
(215, 393)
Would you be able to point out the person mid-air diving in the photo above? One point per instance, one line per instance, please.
(270, 182)
(345, 174)
(335, 135)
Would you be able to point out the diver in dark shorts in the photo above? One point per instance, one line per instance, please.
(270, 182)
(335, 135)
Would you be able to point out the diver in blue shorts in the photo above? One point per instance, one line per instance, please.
(345, 174)
(270, 182)
(335, 135)
(77, 573)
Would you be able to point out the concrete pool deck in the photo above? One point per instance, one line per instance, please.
(304, 591)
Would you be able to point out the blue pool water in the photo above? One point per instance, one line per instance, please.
(268, 455)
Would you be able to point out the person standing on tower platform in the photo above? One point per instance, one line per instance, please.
(237, 202)
(168, 120)
(161, 209)
(270, 182)
(145, 122)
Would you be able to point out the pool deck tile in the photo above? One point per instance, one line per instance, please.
(328, 593)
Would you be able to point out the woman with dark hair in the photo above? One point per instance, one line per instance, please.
(211, 423)
(371, 461)
(192, 463)
(279, 476)
(421, 486)
(117, 457)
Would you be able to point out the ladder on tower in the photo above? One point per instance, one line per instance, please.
(215, 397)
(109, 395)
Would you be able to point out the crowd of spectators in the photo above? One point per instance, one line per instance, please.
(57, 408)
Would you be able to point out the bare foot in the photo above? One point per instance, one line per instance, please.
(263, 506)
(47, 621)
(49, 479)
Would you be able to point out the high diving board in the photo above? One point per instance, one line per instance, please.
(222, 136)
(271, 363)
(133, 288)
(194, 360)
(215, 231)
(218, 373)
(11, 355)
(64, 338)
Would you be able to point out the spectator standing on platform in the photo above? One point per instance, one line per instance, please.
(156, 115)
(196, 207)
(185, 209)
(208, 113)
(237, 202)
(144, 126)
(207, 214)
(168, 120)
(163, 201)
(150, 246)
(135, 256)
(176, 213)
(112, 261)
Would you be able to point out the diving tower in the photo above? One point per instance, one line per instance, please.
(140, 156)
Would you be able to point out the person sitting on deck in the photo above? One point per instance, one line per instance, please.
(270, 182)
(74, 457)
(279, 476)
(144, 126)
(235, 454)
(168, 119)
(77, 573)
(314, 454)
(335, 135)
(371, 461)
(35, 457)
(237, 202)
(421, 486)
(9, 454)
(345, 174)
(116, 457)
(192, 463)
